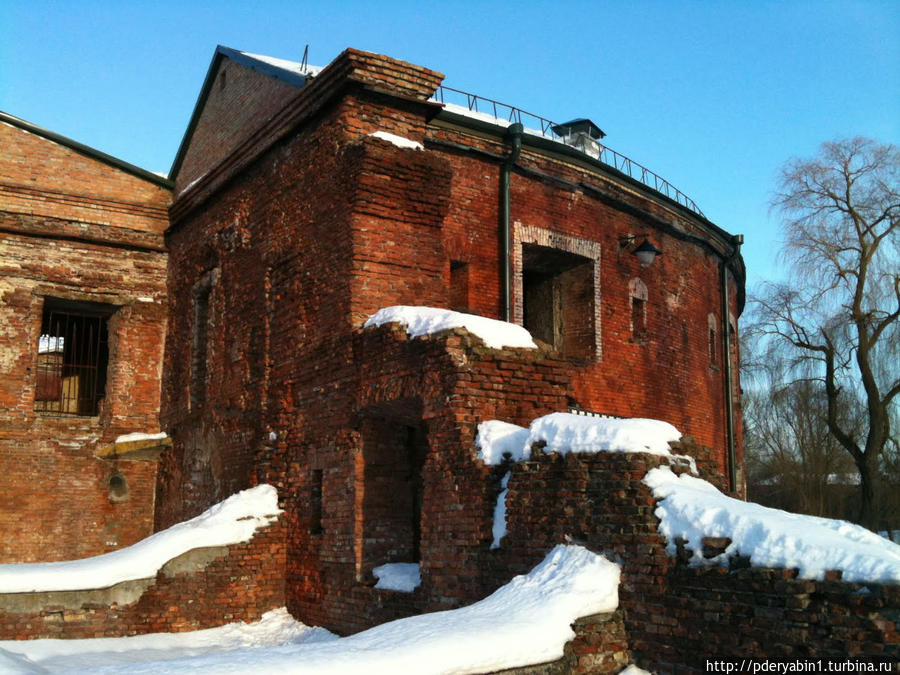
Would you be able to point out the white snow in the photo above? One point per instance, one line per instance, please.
(526, 621)
(231, 521)
(429, 320)
(399, 141)
(404, 577)
(138, 436)
(276, 627)
(692, 509)
(499, 528)
(497, 440)
(286, 64)
(566, 432)
(487, 117)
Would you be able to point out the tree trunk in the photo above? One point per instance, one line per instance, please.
(866, 516)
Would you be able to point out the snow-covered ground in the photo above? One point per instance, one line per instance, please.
(231, 521)
(430, 320)
(526, 621)
(692, 509)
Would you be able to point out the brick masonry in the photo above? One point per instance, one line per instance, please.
(201, 588)
(76, 228)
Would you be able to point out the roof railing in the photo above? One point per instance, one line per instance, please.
(544, 127)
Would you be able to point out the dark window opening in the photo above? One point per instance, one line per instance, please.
(394, 451)
(638, 318)
(637, 291)
(73, 357)
(200, 346)
(118, 488)
(558, 299)
(459, 286)
(315, 501)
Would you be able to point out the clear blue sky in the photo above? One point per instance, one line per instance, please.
(714, 96)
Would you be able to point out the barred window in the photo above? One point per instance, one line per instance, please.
(73, 356)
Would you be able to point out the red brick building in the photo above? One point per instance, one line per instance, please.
(305, 203)
(302, 204)
(82, 323)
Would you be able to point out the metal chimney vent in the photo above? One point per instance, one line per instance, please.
(581, 134)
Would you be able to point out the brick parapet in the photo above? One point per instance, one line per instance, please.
(202, 588)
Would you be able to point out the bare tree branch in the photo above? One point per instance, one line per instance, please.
(837, 320)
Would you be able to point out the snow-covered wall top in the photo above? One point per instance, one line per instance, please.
(692, 509)
(565, 432)
(430, 320)
(399, 141)
(232, 521)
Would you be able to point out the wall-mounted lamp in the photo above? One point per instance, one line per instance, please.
(646, 253)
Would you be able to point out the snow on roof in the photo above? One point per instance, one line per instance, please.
(430, 320)
(487, 117)
(399, 141)
(285, 64)
(229, 522)
(566, 432)
(527, 621)
(692, 509)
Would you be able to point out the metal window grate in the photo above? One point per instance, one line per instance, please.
(73, 353)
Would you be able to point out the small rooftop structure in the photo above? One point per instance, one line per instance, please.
(582, 134)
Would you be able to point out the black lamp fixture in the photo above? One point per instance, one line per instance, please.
(646, 253)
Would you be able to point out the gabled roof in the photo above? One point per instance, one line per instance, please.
(86, 150)
(289, 72)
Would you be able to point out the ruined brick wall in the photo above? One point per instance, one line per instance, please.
(678, 616)
(202, 588)
(76, 229)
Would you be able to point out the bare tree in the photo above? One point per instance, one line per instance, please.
(793, 462)
(836, 319)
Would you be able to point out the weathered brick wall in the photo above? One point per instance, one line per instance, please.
(75, 228)
(666, 373)
(202, 588)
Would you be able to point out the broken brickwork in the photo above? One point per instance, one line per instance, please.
(202, 588)
(80, 236)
